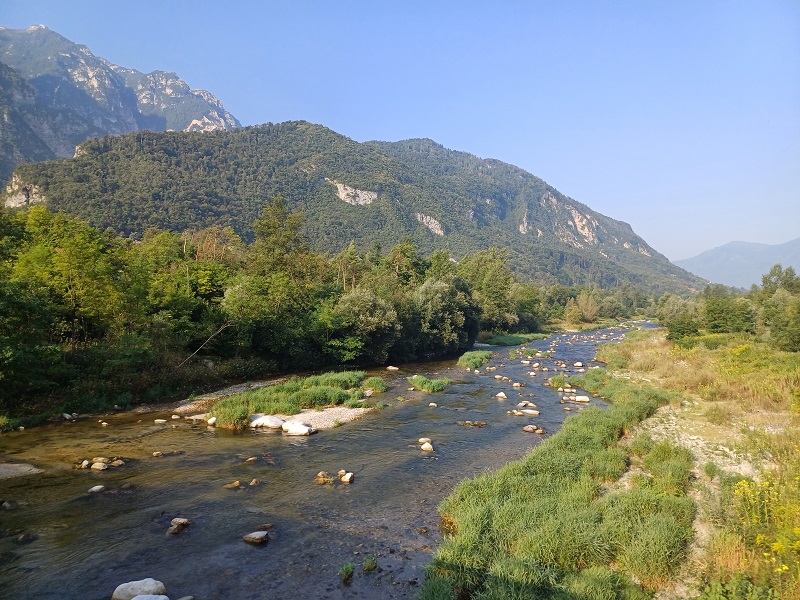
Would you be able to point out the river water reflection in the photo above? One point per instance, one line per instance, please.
(86, 544)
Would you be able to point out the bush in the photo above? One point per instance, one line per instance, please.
(431, 386)
(474, 359)
(376, 384)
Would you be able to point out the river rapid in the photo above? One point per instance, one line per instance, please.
(60, 541)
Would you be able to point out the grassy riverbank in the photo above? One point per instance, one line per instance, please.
(616, 505)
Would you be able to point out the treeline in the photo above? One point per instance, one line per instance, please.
(89, 319)
(770, 311)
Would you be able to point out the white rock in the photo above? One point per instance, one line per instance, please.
(128, 591)
(67, 417)
(151, 597)
(160, 421)
(85, 464)
(368, 393)
(294, 428)
(578, 364)
(347, 478)
(269, 421)
(97, 489)
(174, 417)
(98, 466)
(391, 368)
(424, 440)
(530, 411)
(432, 405)
(212, 420)
(581, 398)
(257, 537)
(180, 521)
(426, 447)
(501, 395)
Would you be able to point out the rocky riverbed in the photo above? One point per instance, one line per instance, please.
(59, 539)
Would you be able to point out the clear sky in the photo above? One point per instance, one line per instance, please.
(680, 117)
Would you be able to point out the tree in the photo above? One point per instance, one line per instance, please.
(588, 306)
(488, 276)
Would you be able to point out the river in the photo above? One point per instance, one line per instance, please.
(81, 545)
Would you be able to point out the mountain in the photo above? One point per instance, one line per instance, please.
(366, 192)
(56, 94)
(741, 264)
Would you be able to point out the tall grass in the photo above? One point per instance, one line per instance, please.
(540, 528)
(291, 397)
(474, 359)
(431, 386)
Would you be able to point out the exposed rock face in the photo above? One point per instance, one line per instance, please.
(352, 195)
(55, 94)
(430, 223)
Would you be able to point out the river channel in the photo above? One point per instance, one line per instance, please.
(60, 541)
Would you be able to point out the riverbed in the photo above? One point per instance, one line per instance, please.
(58, 540)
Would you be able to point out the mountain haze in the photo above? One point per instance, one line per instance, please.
(741, 264)
(371, 192)
(56, 94)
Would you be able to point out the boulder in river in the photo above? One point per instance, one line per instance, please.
(148, 586)
(268, 421)
(151, 597)
(501, 395)
(99, 466)
(426, 447)
(391, 368)
(295, 428)
(257, 538)
(424, 440)
(97, 489)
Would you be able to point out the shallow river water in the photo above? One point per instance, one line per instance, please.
(83, 545)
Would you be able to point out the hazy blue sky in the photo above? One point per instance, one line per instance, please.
(680, 117)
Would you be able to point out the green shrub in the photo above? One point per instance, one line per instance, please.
(376, 384)
(431, 386)
(346, 572)
(474, 359)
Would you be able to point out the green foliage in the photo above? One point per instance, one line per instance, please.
(346, 572)
(376, 384)
(738, 588)
(431, 386)
(474, 359)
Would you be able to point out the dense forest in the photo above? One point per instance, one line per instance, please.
(190, 181)
(89, 319)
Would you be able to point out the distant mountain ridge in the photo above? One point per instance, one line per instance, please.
(364, 192)
(55, 94)
(741, 264)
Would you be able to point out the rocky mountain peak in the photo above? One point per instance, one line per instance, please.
(79, 96)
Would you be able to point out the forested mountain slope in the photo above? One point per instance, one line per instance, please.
(370, 192)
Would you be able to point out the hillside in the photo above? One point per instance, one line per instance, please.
(741, 264)
(56, 94)
(371, 192)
